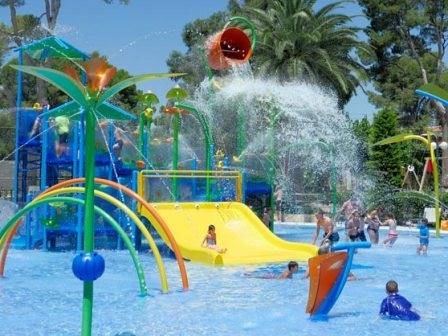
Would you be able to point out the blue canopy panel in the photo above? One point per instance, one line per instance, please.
(257, 187)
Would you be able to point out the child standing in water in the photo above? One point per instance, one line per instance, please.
(424, 237)
(393, 233)
(210, 240)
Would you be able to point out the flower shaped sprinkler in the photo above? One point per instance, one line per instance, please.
(148, 100)
(175, 95)
(92, 100)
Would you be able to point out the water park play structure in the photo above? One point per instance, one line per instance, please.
(179, 204)
(328, 276)
(430, 91)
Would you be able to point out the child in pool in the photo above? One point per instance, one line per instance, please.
(395, 306)
(424, 237)
(210, 240)
(293, 267)
(393, 233)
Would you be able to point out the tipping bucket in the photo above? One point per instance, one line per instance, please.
(230, 46)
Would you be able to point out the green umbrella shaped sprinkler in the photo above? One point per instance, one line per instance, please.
(92, 101)
(175, 95)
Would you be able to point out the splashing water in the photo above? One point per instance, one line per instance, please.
(301, 114)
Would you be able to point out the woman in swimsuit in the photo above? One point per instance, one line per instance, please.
(373, 226)
(326, 223)
(210, 240)
(393, 233)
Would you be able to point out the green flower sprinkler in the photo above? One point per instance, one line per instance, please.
(92, 101)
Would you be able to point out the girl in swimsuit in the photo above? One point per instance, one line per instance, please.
(393, 233)
(373, 225)
(210, 240)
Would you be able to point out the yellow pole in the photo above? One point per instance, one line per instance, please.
(435, 174)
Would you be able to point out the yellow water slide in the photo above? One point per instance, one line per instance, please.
(238, 229)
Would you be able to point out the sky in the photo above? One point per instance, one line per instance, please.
(139, 36)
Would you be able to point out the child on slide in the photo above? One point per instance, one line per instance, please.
(210, 240)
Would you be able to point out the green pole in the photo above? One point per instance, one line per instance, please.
(241, 127)
(148, 143)
(333, 183)
(208, 139)
(272, 155)
(176, 127)
(87, 302)
(141, 132)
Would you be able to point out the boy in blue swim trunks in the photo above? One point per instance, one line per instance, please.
(422, 249)
(395, 306)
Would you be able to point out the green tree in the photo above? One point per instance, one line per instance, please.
(410, 38)
(7, 131)
(361, 129)
(193, 61)
(386, 161)
(298, 42)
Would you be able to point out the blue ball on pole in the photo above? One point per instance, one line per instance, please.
(88, 266)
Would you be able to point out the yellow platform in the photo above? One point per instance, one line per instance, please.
(238, 229)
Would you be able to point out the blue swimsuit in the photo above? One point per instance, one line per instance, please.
(424, 235)
(396, 307)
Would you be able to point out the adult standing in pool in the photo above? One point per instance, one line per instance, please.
(328, 227)
(348, 208)
(278, 194)
(373, 226)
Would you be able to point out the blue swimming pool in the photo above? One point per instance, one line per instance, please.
(40, 296)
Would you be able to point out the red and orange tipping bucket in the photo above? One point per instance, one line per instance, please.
(230, 46)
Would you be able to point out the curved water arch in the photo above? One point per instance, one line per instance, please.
(166, 231)
(121, 206)
(10, 226)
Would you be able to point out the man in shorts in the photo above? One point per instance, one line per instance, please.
(328, 227)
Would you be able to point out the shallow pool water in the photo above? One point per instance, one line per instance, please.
(40, 296)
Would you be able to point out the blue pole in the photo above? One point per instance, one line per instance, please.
(28, 224)
(18, 112)
(333, 296)
(43, 171)
(110, 144)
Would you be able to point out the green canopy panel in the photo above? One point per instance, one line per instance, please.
(68, 109)
(177, 93)
(52, 47)
(109, 111)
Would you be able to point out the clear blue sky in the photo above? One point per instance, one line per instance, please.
(140, 36)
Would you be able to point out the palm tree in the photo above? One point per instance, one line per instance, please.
(296, 42)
